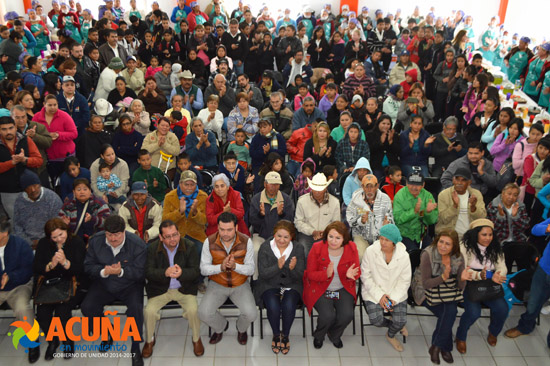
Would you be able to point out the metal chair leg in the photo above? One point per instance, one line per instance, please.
(261, 324)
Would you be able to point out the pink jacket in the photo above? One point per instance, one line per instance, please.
(63, 124)
(521, 152)
(471, 103)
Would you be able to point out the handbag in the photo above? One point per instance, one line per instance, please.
(55, 290)
(483, 290)
(448, 291)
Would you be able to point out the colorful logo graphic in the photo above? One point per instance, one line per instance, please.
(25, 334)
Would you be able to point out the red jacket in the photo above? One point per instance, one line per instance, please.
(391, 189)
(297, 142)
(214, 207)
(315, 275)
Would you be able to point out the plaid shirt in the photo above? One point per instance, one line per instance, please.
(347, 157)
(520, 222)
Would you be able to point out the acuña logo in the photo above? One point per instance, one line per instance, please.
(101, 329)
(25, 334)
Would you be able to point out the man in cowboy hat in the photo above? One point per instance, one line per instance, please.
(315, 210)
(192, 95)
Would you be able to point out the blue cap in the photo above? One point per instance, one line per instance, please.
(364, 8)
(405, 53)
(525, 39)
(193, 4)
(546, 47)
(139, 187)
(11, 15)
(4, 112)
(378, 11)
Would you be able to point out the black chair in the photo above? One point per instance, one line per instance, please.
(207, 176)
(300, 306)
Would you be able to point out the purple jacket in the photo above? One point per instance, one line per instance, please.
(325, 104)
(501, 151)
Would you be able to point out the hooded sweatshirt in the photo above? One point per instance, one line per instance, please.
(301, 185)
(352, 182)
(407, 86)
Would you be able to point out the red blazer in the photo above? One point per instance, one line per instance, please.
(315, 275)
(214, 207)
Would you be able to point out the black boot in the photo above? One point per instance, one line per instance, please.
(34, 354)
(68, 349)
(52, 348)
(106, 345)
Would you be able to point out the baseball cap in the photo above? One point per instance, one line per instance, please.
(139, 187)
(369, 179)
(188, 175)
(68, 78)
(405, 53)
(464, 173)
(273, 178)
(415, 179)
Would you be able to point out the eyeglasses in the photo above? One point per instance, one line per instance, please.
(173, 236)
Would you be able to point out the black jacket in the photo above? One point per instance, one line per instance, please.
(238, 54)
(75, 251)
(187, 257)
(9, 180)
(132, 257)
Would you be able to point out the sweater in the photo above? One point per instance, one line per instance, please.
(379, 278)
(31, 216)
(193, 225)
(242, 152)
(132, 258)
(97, 209)
(519, 223)
(351, 83)
(151, 213)
(63, 124)
(18, 258)
(205, 156)
(187, 257)
(520, 154)
(480, 182)
(410, 224)
(408, 156)
(66, 182)
(316, 281)
(127, 145)
(270, 276)
(502, 151)
(257, 152)
(119, 168)
(448, 213)
(171, 147)
(136, 81)
(88, 146)
(301, 119)
(263, 225)
(215, 207)
(149, 176)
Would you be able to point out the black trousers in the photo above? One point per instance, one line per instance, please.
(45, 313)
(334, 316)
(131, 297)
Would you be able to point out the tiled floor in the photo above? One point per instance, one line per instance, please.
(174, 347)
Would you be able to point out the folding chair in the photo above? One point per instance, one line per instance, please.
(300, 306)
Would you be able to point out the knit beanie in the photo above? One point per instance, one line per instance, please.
(28, 178)
(391, 232)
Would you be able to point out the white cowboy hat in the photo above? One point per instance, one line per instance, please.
(319, 182)
(103, 107)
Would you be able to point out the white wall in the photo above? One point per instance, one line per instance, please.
(528, 21)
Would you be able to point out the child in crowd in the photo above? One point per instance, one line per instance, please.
(330, 93)
(183, 164)
(301, 185)
(303, 92)
(154, 68)
(174, 76)
(393, 181)
(72, 171)
(331, 172)
(107, 183)
(151, 175)
(411, 77)
(178, 125)
(241, 148)
(237, 175)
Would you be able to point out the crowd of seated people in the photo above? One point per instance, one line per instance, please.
(272, 161)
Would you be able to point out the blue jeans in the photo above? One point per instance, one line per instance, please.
(238, 69)
(293, 167)
(472, 311)
(277, 308)
(540, 292)
(442, 336)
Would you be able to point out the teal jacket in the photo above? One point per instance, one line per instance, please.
(410, 224)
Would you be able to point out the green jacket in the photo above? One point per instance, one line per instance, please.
(411, 225)
(186, 257)
(149, 177)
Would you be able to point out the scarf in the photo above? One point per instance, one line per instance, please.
(272, 135)
(189, 199)
(295, 70)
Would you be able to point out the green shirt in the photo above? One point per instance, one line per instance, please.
(409, 223)
(149, 176)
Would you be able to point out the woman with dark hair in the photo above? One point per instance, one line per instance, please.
(202, 147)
(416, 146)
(152, 97)
(273, 162)
(59, 256)
(25, 99)
(393, 102)
(506, 142)
(52, 83)
(221, 52)
(333, 115)
(384, 146)
(385, 278)
(458, 85)
(281, 265)
(121, 92)
(460, 41)
(196, 66)
(127, 142)
(484, 259)
(351, 148)
(11, 47)
(318, 48)
(330, 283)
(7, 93)
(473, 131)
(494, 126)
(89, 144)
(526, 148)
(415, 105)
(164, 147)
(321, 148)
(473, 96)
(85, 213)
(118, 167)
(243, 115)
(38, 102)
(438, 285)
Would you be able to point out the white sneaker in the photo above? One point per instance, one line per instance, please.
(545, 310)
